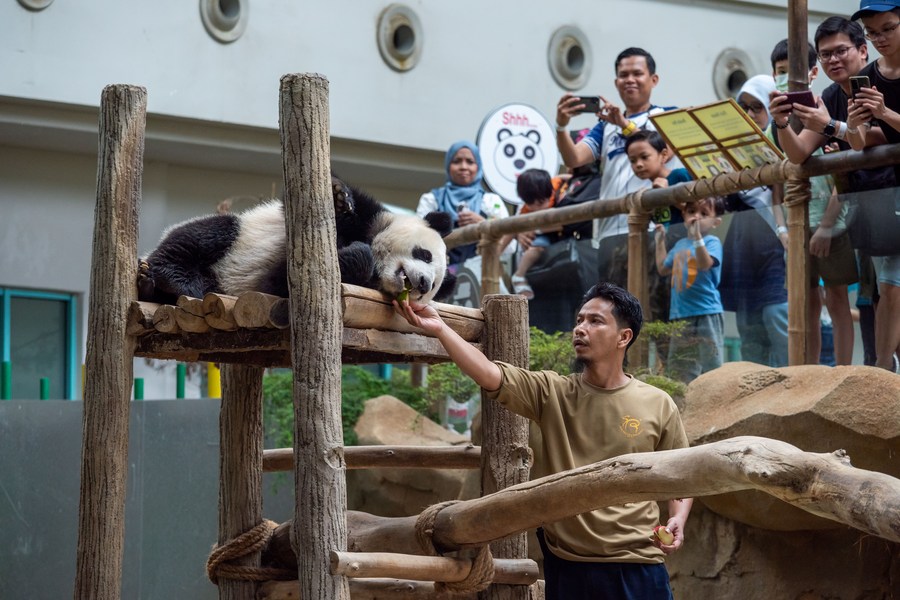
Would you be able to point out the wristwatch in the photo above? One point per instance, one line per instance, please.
(829, 129)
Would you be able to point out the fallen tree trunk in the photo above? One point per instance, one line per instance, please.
(822, 484)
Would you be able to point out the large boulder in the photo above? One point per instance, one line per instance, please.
(816, 408)
(387, 421)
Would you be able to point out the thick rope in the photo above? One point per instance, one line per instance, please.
(482, 572)
(245, 544)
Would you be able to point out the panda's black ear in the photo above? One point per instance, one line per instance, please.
(440, 222)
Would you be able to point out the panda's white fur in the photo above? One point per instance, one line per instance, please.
(395, 265)
(258, 248)
(245, 252)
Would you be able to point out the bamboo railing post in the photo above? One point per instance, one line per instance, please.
(796, 203)
(490, 250)
(638, 283)
(110, 350)
(505, 455)
(240, 476)
(314, 283)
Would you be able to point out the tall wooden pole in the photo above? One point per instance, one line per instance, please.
(505, 455)
(315, 304)
(797, 194)
(110, 351)
(240, 472)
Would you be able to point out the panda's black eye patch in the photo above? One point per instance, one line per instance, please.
(422, 254)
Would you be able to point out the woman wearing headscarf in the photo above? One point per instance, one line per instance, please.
(462, 196)
(753, 268)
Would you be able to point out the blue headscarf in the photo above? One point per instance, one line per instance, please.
(450, 195)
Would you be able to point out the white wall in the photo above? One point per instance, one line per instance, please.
(476, 56)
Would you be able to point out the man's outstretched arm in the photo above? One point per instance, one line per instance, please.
(469, 359)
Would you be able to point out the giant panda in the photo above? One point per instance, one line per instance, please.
(237, 253)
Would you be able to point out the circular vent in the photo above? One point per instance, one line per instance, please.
(399, 37)
(35, 4)
(569, 57)
(224, 20)
(731, 70)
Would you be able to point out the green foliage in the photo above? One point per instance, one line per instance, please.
(551, 351)
(447, 381)
(672, 387)
(357, 386)
(656, 330)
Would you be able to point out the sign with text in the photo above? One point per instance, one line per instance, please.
(512, 139)
(715, 138)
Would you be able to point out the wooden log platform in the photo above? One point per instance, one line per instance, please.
(253, 329)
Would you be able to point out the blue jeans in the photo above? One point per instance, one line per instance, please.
(764, 335)
(570, 580)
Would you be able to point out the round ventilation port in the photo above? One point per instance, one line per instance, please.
(731, 70)
(569, 57)
(399, 37)
(35, 4)
(224, 20)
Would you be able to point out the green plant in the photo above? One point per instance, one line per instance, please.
(551, 351)
(357, 386)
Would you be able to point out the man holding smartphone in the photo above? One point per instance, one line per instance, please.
(881, 22)
(635, 79)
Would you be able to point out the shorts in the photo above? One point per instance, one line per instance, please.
(838, 268)
(541, 241)
(888, 269)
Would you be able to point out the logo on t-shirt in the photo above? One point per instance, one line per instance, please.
(630, 426)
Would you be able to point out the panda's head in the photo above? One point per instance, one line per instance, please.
(407, 247)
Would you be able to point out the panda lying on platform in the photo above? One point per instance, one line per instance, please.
(236, 253)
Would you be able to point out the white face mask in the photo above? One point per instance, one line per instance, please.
(781, 82)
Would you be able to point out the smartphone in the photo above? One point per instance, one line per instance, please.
(805, 98)
(592, 104)
(858, 82)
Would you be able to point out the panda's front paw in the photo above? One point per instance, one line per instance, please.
(343, 197)
(145, 284)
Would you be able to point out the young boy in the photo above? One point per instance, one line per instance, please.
(881, 101)
(695, 263)
(535, 188)
(648, 154)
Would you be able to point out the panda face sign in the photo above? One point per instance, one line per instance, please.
(407, 249)
(516, 153)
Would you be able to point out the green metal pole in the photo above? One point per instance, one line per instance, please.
(6, 380)
(181, 372)
(45, 388)
(138, 388)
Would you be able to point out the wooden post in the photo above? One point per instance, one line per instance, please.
(797, 196)
(240, 475)
(489, 248)
(110, 350)
(637, 277)
(314, 283)
(505, 455)
(796, 203)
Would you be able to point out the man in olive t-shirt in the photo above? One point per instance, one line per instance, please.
(599, 413)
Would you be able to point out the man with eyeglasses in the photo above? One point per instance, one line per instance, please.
(881, 20)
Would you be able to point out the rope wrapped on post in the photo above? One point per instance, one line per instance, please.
(247, 543)
(482, 573)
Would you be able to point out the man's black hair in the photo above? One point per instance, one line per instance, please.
(629, 52)
(534, 185)
(626, 308)
(781, 53)
(653, 138)
(837, 25)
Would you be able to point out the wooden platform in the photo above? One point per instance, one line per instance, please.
(254, 329)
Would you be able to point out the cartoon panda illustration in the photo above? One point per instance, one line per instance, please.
(236, 253)
(517, 152)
